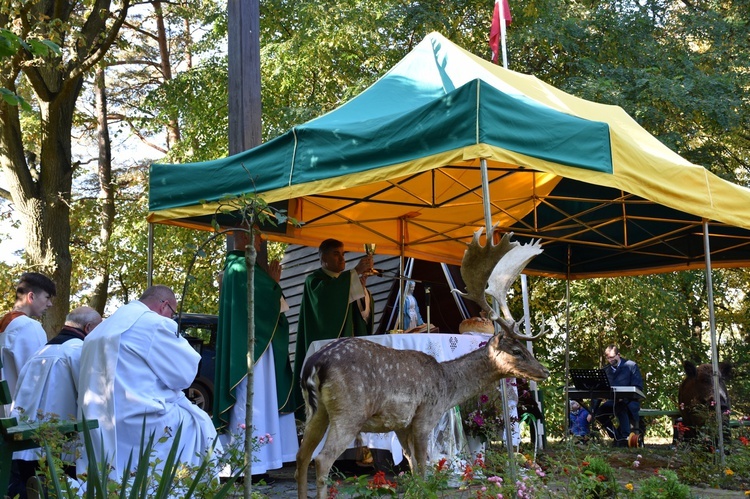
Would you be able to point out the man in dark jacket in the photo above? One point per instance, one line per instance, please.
(620, 372)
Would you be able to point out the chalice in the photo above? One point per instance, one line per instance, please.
(370, 250)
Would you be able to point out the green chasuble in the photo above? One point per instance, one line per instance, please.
(325, 313)
(271, 327)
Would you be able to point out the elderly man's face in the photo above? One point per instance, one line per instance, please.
(333, 260)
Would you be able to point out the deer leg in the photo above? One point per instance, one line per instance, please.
(420, 452)
(407, 447)
(314, 431)
(340, 435)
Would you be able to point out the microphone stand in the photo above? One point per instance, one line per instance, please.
(427, 303)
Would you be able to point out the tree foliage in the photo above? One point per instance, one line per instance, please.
(39, 169)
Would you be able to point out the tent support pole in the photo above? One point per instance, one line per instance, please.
(567, 347)
(506, 417)
(150, 257)
(714, 348)
(539, 426)
(402, 298)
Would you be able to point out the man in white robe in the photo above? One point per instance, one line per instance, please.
(20, 335)
(134, 367)
(48, 388)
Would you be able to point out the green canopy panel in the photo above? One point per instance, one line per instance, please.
(399, 166)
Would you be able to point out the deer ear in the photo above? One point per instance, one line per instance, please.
(690, 368)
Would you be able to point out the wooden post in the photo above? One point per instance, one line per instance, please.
(245, 133)
(244, 75)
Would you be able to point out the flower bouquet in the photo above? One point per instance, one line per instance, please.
(482, 416)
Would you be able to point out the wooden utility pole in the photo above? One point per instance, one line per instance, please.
(245, 133)
(244, 75)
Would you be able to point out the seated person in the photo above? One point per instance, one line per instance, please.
(620, 372)
(579, 420)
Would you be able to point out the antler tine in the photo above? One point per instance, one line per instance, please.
(508, 269)
(514, 332)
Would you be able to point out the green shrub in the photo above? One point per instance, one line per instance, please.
(664, 485)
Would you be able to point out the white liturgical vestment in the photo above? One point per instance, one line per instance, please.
(47, 386)
(134, 367)
(20, 340)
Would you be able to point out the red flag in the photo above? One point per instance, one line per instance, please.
(495, 29)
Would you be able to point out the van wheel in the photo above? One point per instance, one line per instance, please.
(201, 395)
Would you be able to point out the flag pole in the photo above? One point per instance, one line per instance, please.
(502, 35)
(501, 18)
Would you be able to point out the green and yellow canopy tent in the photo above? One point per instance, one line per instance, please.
(400, 165)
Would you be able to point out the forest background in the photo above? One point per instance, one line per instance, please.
(136, 82)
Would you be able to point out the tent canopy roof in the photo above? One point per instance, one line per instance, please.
(399, 166)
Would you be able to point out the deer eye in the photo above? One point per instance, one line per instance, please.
(517, 351)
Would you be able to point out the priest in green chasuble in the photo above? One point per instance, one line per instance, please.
(335, 304)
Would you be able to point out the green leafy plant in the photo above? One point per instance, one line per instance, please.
(595, 479)
(664, 485)
(150, 479)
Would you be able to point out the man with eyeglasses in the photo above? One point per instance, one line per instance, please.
(620, 372)
(134, 368)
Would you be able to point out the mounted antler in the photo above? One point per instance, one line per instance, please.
(477, 266)
(491, 269)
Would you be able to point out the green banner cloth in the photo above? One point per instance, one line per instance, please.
(271, 327)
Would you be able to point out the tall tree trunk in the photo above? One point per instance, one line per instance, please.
(173, 129)
(106, 195)
(41, 193)
(188, 44)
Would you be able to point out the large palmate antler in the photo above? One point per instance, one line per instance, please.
(479, 262)
(491, 269)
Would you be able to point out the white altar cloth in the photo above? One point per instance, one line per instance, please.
(447, 438)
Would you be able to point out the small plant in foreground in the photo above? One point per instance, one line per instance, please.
(664, 485)
(595, 479)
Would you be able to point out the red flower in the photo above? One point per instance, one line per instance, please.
(584, 463)
(601, 478)
(744, 441)
(441, 464)
(468, 474)
(332, 492)
(379, 482)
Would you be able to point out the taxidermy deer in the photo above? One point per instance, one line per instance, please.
(353, 384)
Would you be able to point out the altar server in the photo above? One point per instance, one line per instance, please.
(48, 388)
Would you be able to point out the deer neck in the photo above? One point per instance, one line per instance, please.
(469, 375)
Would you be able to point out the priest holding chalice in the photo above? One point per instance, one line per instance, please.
(335, 303)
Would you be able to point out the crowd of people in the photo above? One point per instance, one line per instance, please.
(129, 372)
